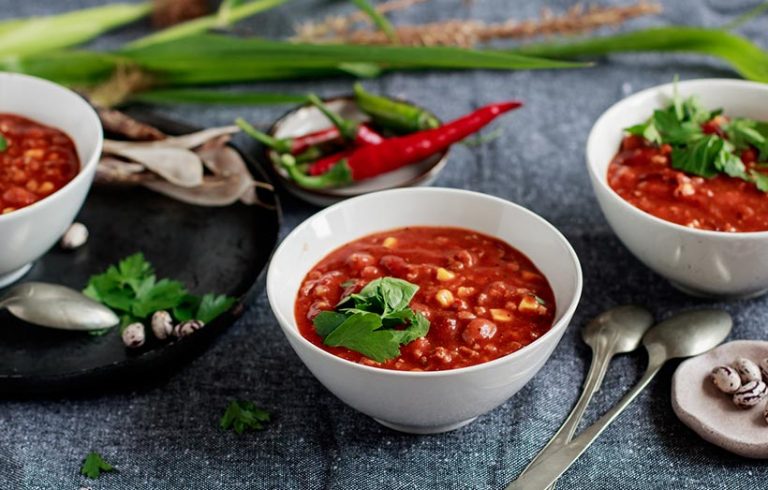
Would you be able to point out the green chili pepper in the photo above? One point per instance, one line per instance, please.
(398, 116)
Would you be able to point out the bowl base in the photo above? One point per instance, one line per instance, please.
(13, 276)
(411, 429)
(706, 295)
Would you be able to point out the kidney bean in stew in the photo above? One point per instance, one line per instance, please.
(483, 298)
(35, 161)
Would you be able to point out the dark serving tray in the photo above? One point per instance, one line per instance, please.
(222, 250)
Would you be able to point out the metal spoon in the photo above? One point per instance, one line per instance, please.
(616, 331)
(683, 335)
(54, 306)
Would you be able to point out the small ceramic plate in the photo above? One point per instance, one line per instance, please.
(307, 119)
(711, 413)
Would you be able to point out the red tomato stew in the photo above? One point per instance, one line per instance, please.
(35, 161)
(483, 299)
(696, 167)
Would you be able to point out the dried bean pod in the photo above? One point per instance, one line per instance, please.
(750, 394)
(764, 368)
(726, 379)
(185, 328)
(162, 324)
(133, 335)
(748, 370)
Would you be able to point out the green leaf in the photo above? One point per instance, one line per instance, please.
(760, 179)
(744, 56)
(743, 133)
(390, 294)
(3, 143)
(418, 327)
(377, 18)
(327, 321)
(241, 415)
(94, 465)
(699, 157)
(197, 96)
(212, 305)
(362, 333)
(164, 295)
(187, 308)
(43, 34)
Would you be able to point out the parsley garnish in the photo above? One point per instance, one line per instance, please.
(367, 322)
(133, 291)
(3, 143)
(241, 415)
(94, 464)
(707, 155)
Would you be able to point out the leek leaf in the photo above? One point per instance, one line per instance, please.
(198, 96)
(744, 56)
(19, 37)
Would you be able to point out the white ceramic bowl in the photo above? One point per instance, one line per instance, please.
(699, 262)
(29, 232)
(424, 402)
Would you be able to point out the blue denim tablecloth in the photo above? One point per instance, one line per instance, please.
(167, 437)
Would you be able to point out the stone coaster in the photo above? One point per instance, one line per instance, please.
(710, 412)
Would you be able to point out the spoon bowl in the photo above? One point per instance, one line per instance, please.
(622, 328)
(55, 306)
(689, 333)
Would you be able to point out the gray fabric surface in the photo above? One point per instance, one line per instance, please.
(166, 437)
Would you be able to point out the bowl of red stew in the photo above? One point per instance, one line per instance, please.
(681, 174)
(426, 307)
(50, 142)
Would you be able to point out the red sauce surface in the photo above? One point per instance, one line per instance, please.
(492, 309)
(38, 161)
(642, 175)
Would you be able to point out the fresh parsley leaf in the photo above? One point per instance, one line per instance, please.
(727, 162)
(163, 295)
(205, 309)
(3, 143)
(368, 322)
(241, 415)
(212, 306)
(760, 179)
(327, 321)
(362, 333)
(699, 157)
(187, 308)
(93, 465)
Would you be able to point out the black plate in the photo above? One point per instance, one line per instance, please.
(223, 250)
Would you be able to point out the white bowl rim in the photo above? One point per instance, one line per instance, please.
(561, 324)
(92, 161)
(592, 141)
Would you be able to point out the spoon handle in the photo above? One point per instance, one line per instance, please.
(601, 358)
(553, 465)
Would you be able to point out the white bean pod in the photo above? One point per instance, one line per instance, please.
(750, 394)
(726, 379)
(748, 370)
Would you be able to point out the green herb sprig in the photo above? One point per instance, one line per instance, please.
(241, 415)
(367, 322)
(707, 155)
(133, 291)
(3, 143)
(94, 465)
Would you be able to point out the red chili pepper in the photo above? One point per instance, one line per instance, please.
(371, 160)
(364, 135)
(323, 165)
